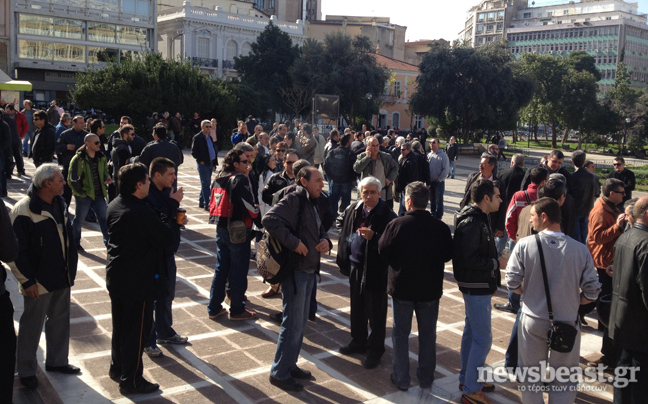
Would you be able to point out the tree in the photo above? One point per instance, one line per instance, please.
(344, 67)
(467, 89)
(139, 85)
(266, 68)
(578, 100)
(625, 101)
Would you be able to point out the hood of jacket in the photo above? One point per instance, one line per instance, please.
(468, 211)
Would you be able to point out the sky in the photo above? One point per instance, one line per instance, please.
(433, 19)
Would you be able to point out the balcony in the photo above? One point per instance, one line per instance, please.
(204, 62)
(228, 64)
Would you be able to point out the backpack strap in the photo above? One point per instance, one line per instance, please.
(526, 194)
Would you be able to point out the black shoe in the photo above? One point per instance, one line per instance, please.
(21, 173)
(276, 317)
(352, 349)
(371, 361)
(201, 205)
(114, 374)
(396, 384)
(287, 385)
(298, 373)
(312, 317)
(141, 387)
(582, 319)
(66, 369)
(30, 382)
(505, 307)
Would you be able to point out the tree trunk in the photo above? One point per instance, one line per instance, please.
(564, 138)
(554, 135)
(545, 129)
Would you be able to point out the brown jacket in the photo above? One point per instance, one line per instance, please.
(602, 232)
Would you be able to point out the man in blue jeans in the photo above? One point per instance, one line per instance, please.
(203, 149)
(281, 222)
(477, 271)
(417, 246)
(88, 176)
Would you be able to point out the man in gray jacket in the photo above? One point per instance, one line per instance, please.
(572, 281)
(311, 241)
(378, 164)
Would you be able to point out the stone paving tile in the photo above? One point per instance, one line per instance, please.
(228, 362)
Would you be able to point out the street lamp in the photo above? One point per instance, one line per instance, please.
(625, 127)
(368, 95)
(529, 134)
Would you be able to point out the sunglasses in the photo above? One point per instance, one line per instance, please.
(37, 119)
(616, 164)
(281, 150)
(97, 143)
(244, 161)
(620, 192)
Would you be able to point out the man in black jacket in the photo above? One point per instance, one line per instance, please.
(477, 271)
(338, 166)
(585, 186)
(5, 153)
(45, 270)
(628, 325)
(281, 180)
(360, 227)
(498, 217)
(121, 153)
(161, 146)
(452, 150)
(204, 150)
(512, 178)
(416, 246)
(135, 276)
(8, 253)
(553, 165)
(627, 176)
(43, 141)
(166, 201)
(408, 171)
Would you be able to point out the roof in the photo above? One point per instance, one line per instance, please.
(394, 64)
(420, 42)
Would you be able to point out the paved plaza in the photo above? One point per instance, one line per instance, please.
(229, 361)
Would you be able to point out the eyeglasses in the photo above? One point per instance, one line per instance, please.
(617, 164)
(623, 192)
(281, 150)
(97, 143)
(208, 127)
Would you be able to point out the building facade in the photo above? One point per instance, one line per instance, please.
(51, 40)
(390, 37)
(394, 108)
(611, 31)
(211, 38)
(487, 21)
(291, 10)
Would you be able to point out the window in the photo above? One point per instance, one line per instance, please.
(65, 28)
(481, 17)
(396, 120)
(259, 3)
(480, 28)
(64, 52)
(608, 18)
(565, 12)
(141, 7)
(203, 48)
(232, 50)
(101, 32)
(36, 25)
(34, 50)
(246, 49)
(500, 15)
(131, 35)
(550, 14)
(491, 15)
(526, 15)
(397, 89)
(418, 121)
(271, 4)
(97, 54)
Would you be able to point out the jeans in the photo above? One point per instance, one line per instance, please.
(163, 321)
(453, 168)
(634, 392)
(18, 157)
(295, 316)
(83, 205)
(426, 316)
(205, 172)
(580, 228)
(233, 261)
(401, 204)
(500, 243)
(25, 142)
(476, 340)
(514, 300)
(3, 176)
(340, 190)
(512, 350)
(436, 199)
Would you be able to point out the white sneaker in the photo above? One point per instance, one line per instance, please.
(153, 351)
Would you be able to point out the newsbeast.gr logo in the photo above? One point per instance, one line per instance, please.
(568, 375)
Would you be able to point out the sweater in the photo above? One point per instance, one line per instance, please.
(570, 270)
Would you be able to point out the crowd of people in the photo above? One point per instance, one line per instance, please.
(273, 183)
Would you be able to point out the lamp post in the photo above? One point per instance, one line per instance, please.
(529, 134)
(368, 95)
(625, 127)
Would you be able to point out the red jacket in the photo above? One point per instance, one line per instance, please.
(21, 123)
(518, 202)
(602, 232)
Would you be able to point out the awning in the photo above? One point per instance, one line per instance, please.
(8, 84)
